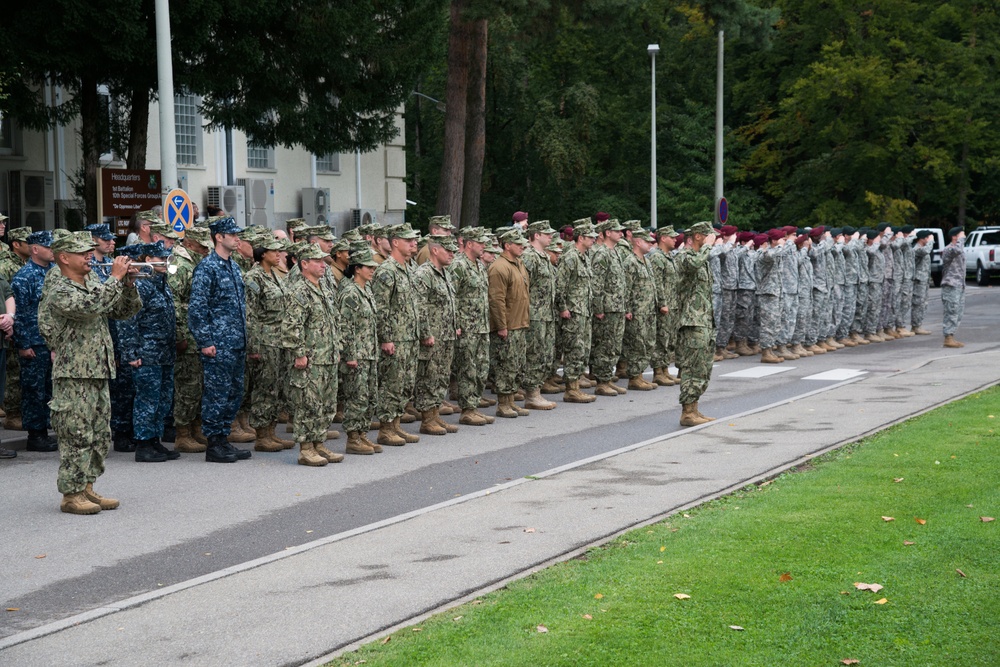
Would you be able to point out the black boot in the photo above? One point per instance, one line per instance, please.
(218, 450)
(39, 440)
(123, 441)
(240, 454)
(169, 434)
(170, 454)
(146, 452)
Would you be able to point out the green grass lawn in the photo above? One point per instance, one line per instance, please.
(822, 527)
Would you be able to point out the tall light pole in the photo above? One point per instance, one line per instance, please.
(653, 49)
(165, 78)
(718, 126)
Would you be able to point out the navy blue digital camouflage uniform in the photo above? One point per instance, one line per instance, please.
(36, 374)
(217, 317)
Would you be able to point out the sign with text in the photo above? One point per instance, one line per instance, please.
(125, 192)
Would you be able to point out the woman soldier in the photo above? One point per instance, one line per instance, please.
(358, 366)
(269, 357)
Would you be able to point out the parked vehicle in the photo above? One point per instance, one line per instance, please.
(982, 254)
(937, 244)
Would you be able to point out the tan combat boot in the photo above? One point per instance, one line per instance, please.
(103, 503)
(618, 388)
(729, 354)
(185, 443)
(605, 389)
(409, 438)
(767, 356)
(272, 432)
(742, 349)
(690, 417)
(574, 395)
(786, 354)
(489, 418)
(447, 409)
(237, 434)
(586, 383)
(846, 342)
(451, 428)
(308, 456)
(472, 418)
(332, 435)
(949, 341)
(659, 377)
(834, 344)
(387, 436)
(244, 420)
(639, 383)
(533, 401)
(920, 331)
(485, 402)
(78, 503)
(859, 339)
(355, 445)
(505, 408)
(375, 447)
(698, 412)
(429, 425)
(332, 457)
(264, 441)
(551, 387)
(196, 432)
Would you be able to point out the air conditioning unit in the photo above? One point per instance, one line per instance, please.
(363, 216)
(32, 199)
(231, 199)
(260, 200)
(70, 214)
(316, 206)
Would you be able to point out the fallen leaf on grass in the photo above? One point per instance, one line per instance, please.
(874, 588)
(888, 518)
(542, 628)
(686, 516)
(787, 576)
(662, 549)
(13, 609)
(599, 596)
(849, 661)
(907, 543)
(659, 562)
(386, 640)
(417, 629)
(457, 618)
(897, 480)
(40, 556)
(960, 572)
(920, 521)
(986, 519)
(588, 617)
(736, 627)
(682, 596)
(882, 601)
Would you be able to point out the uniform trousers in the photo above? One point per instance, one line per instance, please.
(36, 389)
(154, 392)
(508, 356)
(81, 410)
(694, 361)
(223, 390)
(953, 301)
(919, 303)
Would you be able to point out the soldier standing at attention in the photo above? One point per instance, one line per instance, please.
(395, 307)
(642, 302)
(695, 332)
(573, 299)
(217, 320)
(438, 225)
(904, 312)
(9, 265)
(608, 305)
(876, 277)
(729, 277)
(74, 321)
(541, 335)
(661, 263)
(36, 363)
(952, 285)
(472, 312)
(437, 332)
(311, 330)
(509, 320)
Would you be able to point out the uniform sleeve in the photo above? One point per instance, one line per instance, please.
(383, 286)
(497, 297)
(199, 316)
(421, 285)
(254, 306)
(294, 323)
(600, 267)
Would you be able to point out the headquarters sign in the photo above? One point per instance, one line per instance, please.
(125, 192)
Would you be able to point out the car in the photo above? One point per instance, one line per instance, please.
(937, 244)
(982, 254)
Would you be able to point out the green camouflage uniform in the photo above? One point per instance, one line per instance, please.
(359, 388)
(11, 263)
(541, 334)
(573, 293)
(665, 275)
(643, 302)
(266, 306)
(472, 316)
(73, 319)
(396, 311)
(696, 324)
(310, 329)
(187, 368)
(607, 266)
(436, 317)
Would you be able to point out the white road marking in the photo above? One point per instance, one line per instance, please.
(758, 372)
(836, 375)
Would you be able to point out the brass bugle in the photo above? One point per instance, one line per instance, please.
(148, 266)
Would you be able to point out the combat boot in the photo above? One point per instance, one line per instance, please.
(265, 442)
(505, 407)
(40, 441)
(387, 436)
(892, 333)
(332, 457)
(574, 395)
(698, 412)
(218, 451)
(244, 419)
(742, 349)
(489, 418)
(521, 412)
(407, 418)
(533, 401)
(308, 456)
(446, 409)
(949, 341)
(197, 433)
(783, 352)
(834, 344)
(551, 387)
(273, 435)
(690, 416)
(662, 378)
(13, 422)
(451, 428)
(78, 503)
(375, 447)
(409, 438)
(237, 434)
(718, 355)
(284, 417)
(767, 356)
(429, 425)
(332, 435)
(145, 452)
(881, 336)
(825, 344)
(619, 389)
(355, 445)
(185, 443)
(586, 383)
(729, 354)
(94, 497)
(639, 383)
(800, 351)
(846, 342)
(471, 418)
(920, 331)
(122, 441)
(858, 338)
(605, 389)
(485, 402)
(338, 417)
(170, 454)
(905, 333)
(677, 378)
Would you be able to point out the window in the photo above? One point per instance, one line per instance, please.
(260, 157)
(9, 136)
(328, 163)
(187, 124)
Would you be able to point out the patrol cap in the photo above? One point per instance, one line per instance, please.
(668, 231)
(147, 216)
(74, 243)
(362, 257)
(513, 236)
(19, 233)
(319, 231)
(924, 233)
(366, 230)
(199, 235)
(295, 224)
(701, 228)
(775, 234)
(907, 229)
(352, 235)
(161, 228)
(226, 225)
(341, 245)
(134, 251)
(581, 221)
(378, 231)
(601, 216)
(43, 238)
(729, 230)
(403, 231)
(475, 234)
(540, 227)
(555, 245)
(100, 231)
(611, 225)
(311, 251)
(268, 242)
(585, 229)
(521, 216)
(157, 249)
(492, 247)
(3, 218)
(442, 221)
(643, 234)
(299, 247)
(446, 241)
(632, 225)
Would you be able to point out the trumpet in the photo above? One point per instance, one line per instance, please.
(145, 269)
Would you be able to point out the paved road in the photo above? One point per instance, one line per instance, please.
(186, 519)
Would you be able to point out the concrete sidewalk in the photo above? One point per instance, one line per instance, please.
(303, 604)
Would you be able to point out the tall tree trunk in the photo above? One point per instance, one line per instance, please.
(449, 200)
(475, 126)
(90, 143)
(138, 130)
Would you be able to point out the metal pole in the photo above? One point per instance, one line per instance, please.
(165, 76)
(652, 49)
(718, 123)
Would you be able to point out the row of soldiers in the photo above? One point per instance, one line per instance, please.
(791, 293)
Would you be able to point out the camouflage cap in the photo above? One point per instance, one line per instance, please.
(643, 234)
(341, 245)
(582, 221)
(667, 231)
(226, 225)
(135, 251)
(299, 247)
(632, 225)
(555, 245)
(403, 231)
(80, 242)
(295, 224)
(157, 249)
(60, 233)
(352, 235)
(148, 216)
(3, 218)
(100, 231)
(513, 236)
(43, 238)
(586, 229)
(311, 252)
(379, 231)
(444, 240)
(475, 234)
(199, 235)
(319, 231)
(268, 242)
(362, 257)
(540, 227)
(161, 228)
(703, 227)
(492, 247)
(19, 233)
(442, 221)
(366, 230)
(611, 225)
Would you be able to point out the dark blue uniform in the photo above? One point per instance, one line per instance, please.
(36, 374)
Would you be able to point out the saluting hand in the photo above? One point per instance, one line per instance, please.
(301, 362)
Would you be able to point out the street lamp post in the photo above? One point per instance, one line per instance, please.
(652, 49)
(719, 123)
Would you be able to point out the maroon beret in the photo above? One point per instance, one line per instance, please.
(728, 230)
(800, 239)
(601, 216)
(520, 216)
(817, 232)
(743, 237)
(776, 234)
(760, 239)
(789, 229)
